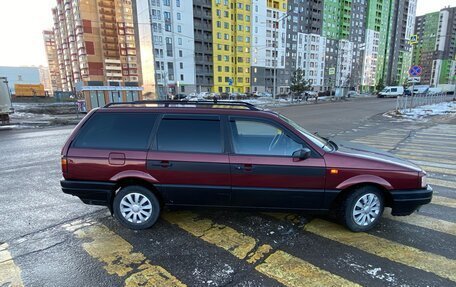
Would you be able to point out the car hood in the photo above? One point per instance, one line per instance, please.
(370, 153)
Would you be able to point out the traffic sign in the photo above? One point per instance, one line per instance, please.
(331, 71)
(415, 71)
(414, 80)
(413, 39)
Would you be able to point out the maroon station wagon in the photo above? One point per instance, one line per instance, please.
(135, 158)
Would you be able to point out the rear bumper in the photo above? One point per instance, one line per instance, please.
(90, 192)
(405, 202)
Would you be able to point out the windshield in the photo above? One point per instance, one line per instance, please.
(314, 138)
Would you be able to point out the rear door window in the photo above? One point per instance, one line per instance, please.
(124, 131)
(202, 135)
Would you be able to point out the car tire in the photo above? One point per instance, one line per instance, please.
(362, 209)
(136, 207)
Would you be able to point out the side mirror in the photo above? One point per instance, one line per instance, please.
(301, 154)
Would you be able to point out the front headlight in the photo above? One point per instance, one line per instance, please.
(424, 181)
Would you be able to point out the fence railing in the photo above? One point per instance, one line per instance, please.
(404, 103)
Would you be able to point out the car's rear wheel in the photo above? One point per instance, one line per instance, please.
(136, 207)
(362, 209)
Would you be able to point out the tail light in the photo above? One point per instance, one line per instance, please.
(64, 163)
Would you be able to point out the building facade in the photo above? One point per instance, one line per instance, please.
(52, 59)
(436, 47)
(96, 50)
(242, 46)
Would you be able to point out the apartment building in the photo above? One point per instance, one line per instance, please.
(254, 45)
(53, 62)
(202, 30)
(96, 50)
(436, 48)
(268, 44)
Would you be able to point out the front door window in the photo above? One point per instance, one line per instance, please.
(259, 138)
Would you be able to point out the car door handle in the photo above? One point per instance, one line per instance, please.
(244, 167)
(165, 163)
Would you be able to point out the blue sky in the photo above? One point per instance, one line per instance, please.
(23, 21)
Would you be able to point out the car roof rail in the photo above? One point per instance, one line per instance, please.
(178, 104)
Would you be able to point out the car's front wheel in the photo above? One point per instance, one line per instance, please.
(136, 207)
(362, 209)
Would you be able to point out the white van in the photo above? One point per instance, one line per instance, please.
(391, 91)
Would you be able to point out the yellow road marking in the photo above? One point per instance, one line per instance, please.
(292, 271)
(419, 146)
(425, 158)
(424, 152)
(441, 182)
(426, 222)
(281, 266)
(236, 243)
(376, 141)
(438, 169)
(385, 248)
(445, 201)
(433, 142)
(10, 273)
(116, 253)
(259, 253)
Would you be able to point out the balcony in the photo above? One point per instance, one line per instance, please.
(108, 39)
(111, 53)
(109, 19)
(113, 68)
(114, 75)
(106, 4)
(112, 61)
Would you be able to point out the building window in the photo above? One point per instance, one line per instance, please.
(179, 28)
(181, 65)
(179, 41)
(182, 77)
(179, 16)
(167, 2)
(167, 15)
(178, 3)
(180, 53)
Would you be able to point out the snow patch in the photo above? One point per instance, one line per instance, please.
(423, 112)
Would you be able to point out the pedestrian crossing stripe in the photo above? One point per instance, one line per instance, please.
(279, 265)
(425, 222)
(438, 170)
(385, 248)
(295, 272)
(441, 182)
(434, 165)
(444, 201)
(425, 158)
(434, 153)
(118, 257)
(10, 273)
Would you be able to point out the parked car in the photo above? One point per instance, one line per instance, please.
(262, 94)
(178, 97)
(136, 159)
(391, 91)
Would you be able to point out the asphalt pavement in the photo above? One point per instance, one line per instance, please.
(48, 238)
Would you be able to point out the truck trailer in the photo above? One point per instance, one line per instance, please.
(6, 107)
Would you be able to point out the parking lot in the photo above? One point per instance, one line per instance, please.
(48, 238)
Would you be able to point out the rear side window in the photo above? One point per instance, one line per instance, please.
(116, 131)
(393, 89)
(190, 135)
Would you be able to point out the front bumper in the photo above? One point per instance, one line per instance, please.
(405, 202)
(90, 192)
